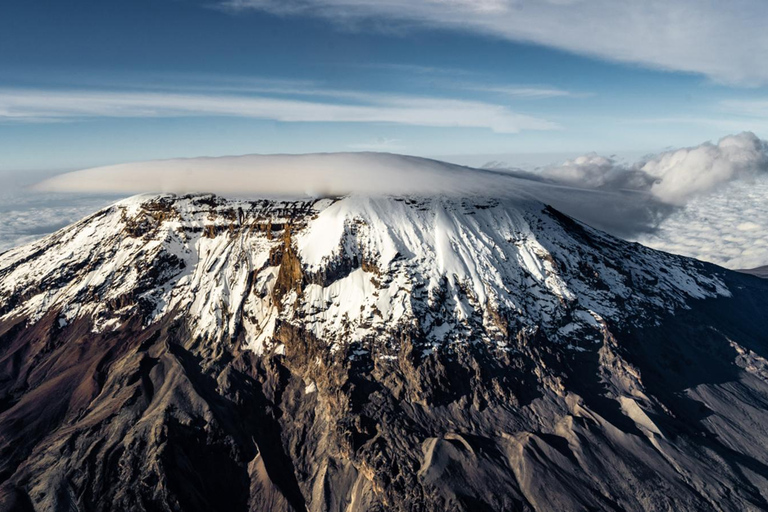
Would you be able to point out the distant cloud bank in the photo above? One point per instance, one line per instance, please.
(356, 173)
(727, 226)
(672, 177)
(709, 201)
(282, 175)
(632, 201)
(31, 105)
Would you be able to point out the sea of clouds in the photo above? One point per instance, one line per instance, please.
(728, 226)
(709, 201)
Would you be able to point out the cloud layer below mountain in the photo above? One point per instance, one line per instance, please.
(709, 201)
(727, 227)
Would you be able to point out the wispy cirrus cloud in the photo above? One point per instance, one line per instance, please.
(338, 106)
(725, 43)
(527, 92)
(757, 108)
(454, 79)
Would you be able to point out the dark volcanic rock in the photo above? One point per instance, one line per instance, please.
(154, 413)
(759, 272)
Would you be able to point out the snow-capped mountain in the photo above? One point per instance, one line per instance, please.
(374, 352)
(351, 270)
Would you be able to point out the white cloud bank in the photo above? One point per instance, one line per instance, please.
(672, 177)
(284, 175)
(357, 173)
(709, 201)
(725, 41)
(685, 173)
(669, 178)
(42, 105)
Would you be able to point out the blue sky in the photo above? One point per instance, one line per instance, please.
(86, 83)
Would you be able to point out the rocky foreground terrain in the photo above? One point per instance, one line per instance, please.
(359, 354)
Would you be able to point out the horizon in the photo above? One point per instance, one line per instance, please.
(100, 85)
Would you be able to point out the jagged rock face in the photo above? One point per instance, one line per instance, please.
(194, 353)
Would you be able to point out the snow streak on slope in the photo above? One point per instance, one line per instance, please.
(479, 269)
(353, 270)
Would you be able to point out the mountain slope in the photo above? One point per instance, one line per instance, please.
(759, 272)
(364, 353)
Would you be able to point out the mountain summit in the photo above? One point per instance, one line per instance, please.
(388, 352)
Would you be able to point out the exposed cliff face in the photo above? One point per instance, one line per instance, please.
(369, 354)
